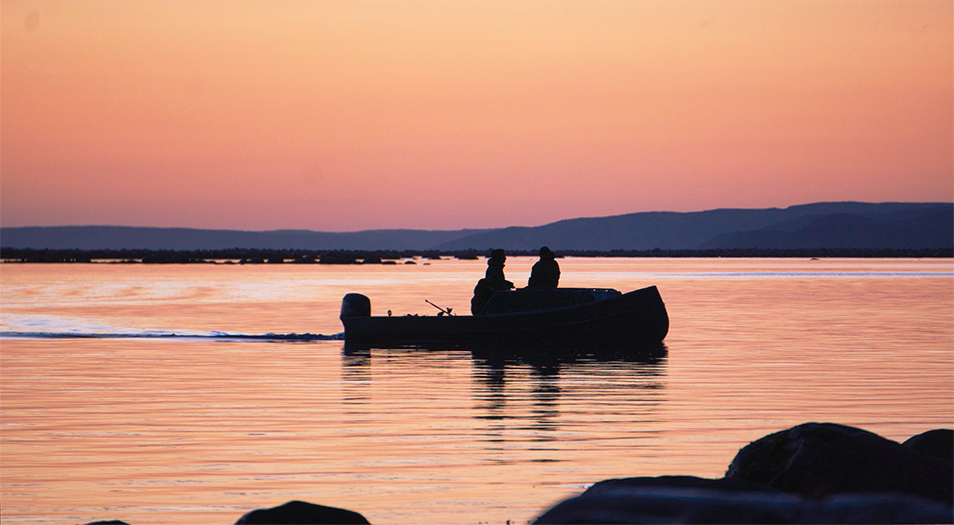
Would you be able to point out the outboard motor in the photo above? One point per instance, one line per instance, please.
(355, 305)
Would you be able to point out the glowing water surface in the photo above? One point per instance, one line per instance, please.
(129, 423)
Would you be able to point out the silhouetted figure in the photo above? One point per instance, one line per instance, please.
(545, 272)
(493, 280)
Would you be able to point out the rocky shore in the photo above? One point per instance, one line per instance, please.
(811, 473)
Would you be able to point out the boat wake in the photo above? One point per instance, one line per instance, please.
(162, 334)
(57, 327)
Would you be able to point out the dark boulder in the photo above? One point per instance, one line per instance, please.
(938, 443)
(300, 512)
(658, 504)
(822, 459)
(679, 504)
(108, 522)
(883, 507)
(812, 473)
(679, 482)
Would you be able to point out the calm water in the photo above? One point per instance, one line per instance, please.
(203, 428)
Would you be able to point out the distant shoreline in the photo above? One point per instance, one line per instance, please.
(712, 233)
(271, 256)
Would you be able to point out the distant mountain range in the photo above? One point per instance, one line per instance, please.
(829, 225)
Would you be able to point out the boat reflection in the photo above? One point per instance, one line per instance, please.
(530, 395)
(544, 355)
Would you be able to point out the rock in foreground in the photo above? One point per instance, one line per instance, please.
(822, 459)
(300, 512)
(938, 443)
(811, 473)
(658, 504)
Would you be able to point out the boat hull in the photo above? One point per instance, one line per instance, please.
(638, 316)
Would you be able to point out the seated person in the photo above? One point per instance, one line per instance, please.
(493, 280)
(546, 272)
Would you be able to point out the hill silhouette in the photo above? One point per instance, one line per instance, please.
(829, 225)
(914, 229)
(129, 237)
(725, 228)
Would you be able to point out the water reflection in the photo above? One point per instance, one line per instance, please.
(540, 355)
(538, 396)
(524, 393)
(356, 373)
(491, 397)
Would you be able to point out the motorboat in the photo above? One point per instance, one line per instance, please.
(526, 316)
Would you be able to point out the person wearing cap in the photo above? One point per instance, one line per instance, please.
(545, 272)
(493, 280)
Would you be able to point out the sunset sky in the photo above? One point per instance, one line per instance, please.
(349, 115)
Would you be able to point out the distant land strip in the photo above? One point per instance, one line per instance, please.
(253, 256)
(831, 225)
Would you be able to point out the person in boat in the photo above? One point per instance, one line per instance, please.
(545, 272)
(493, 280)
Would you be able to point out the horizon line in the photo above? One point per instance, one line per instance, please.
(470, 228)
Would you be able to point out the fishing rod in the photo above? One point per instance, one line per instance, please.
(443, 311)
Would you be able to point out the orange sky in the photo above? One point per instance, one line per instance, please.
(346, 115)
